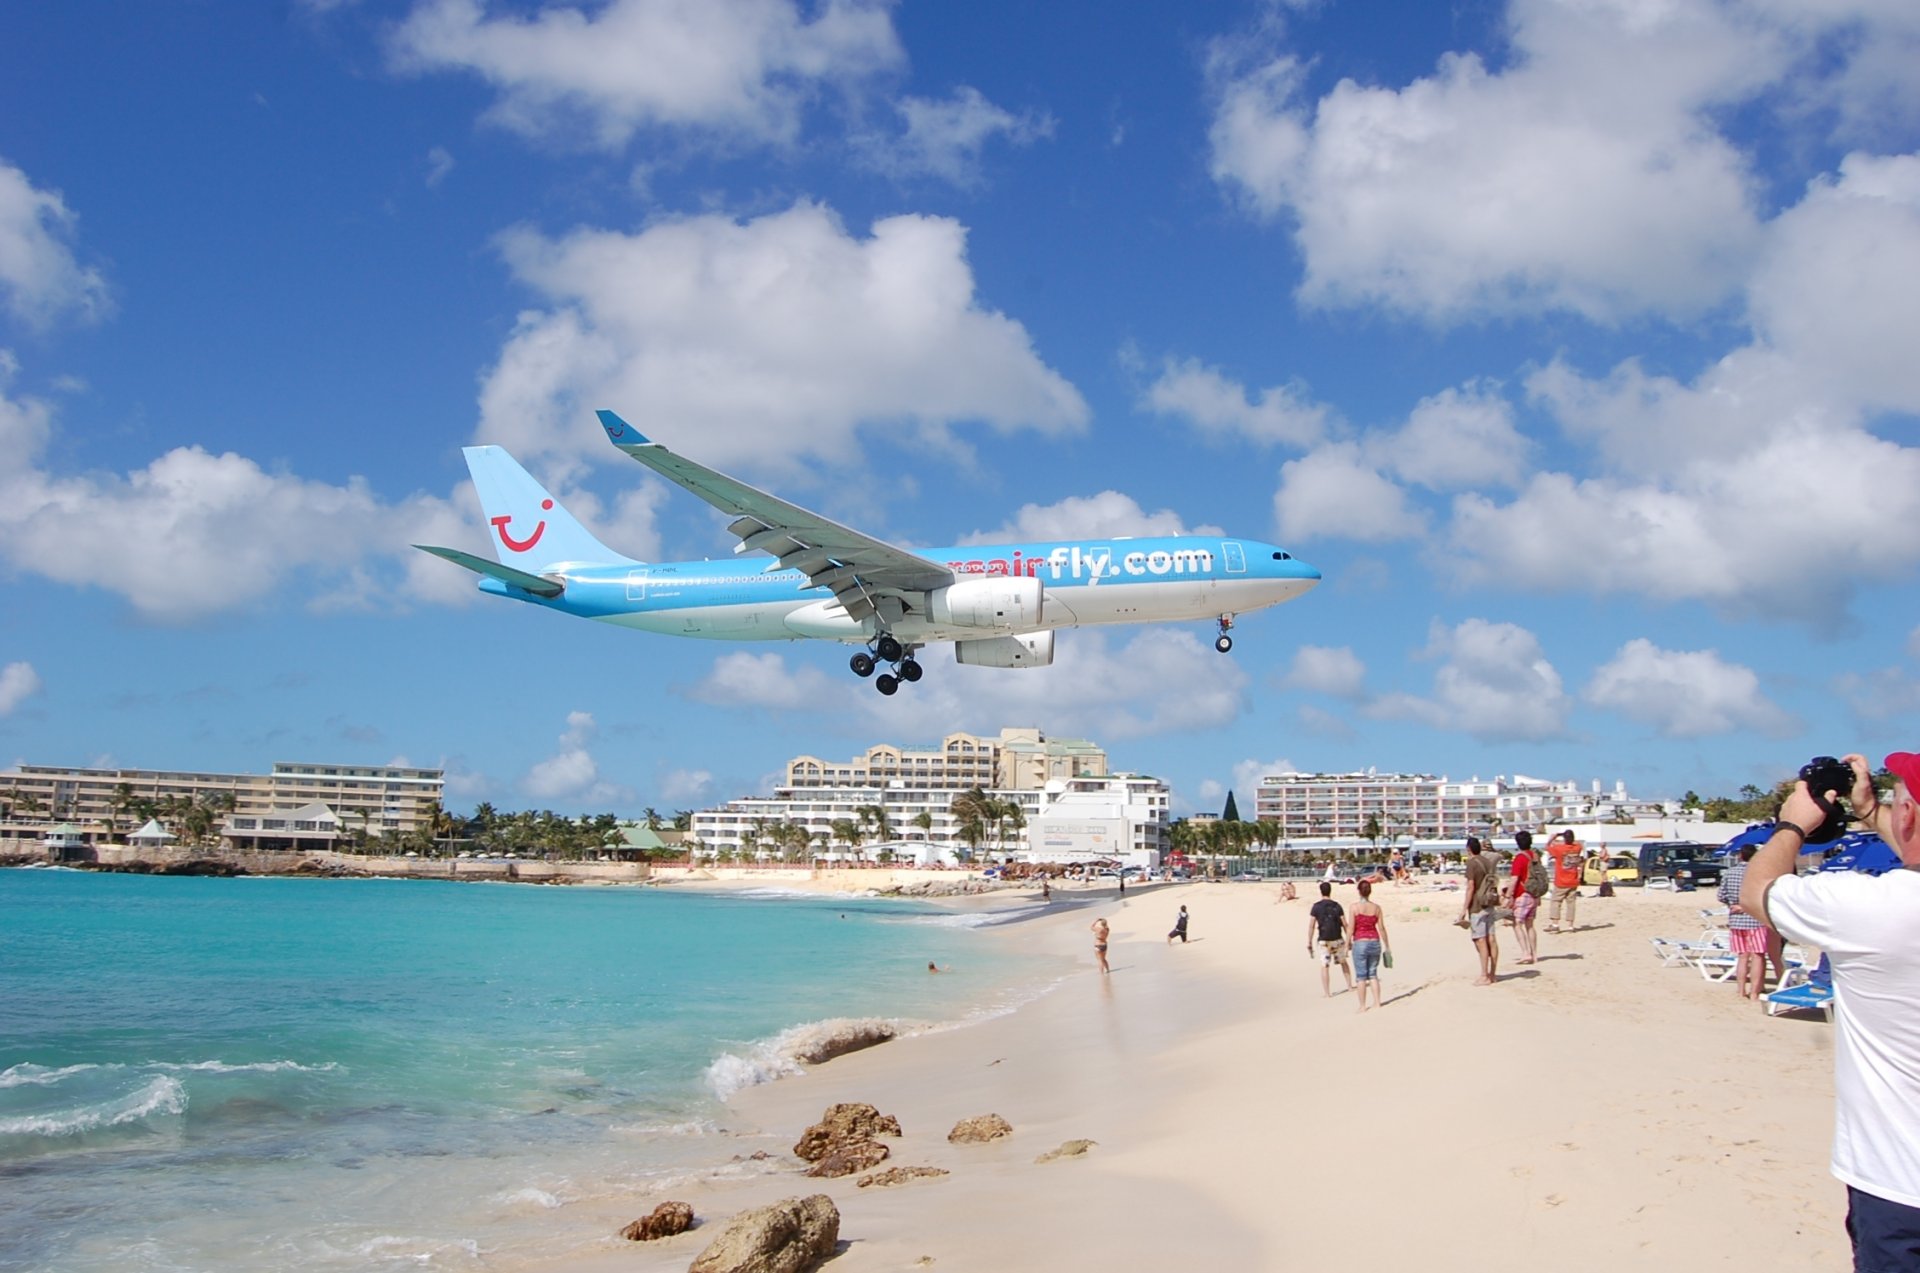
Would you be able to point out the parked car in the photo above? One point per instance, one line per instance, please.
(1619, 868)
(1687, 863)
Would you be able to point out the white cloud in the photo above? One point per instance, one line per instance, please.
(1685, 693)
(762, 344)
(1494, 683)
(1790, 525)
(571, 774)
(1246, 781)
(439, 164)
(1457, 439)
(18, 683)
(1336, 491)
(40, 279)
(740, 69)
(1913, 643)
(744, 679)
(1880, 694)
(944, 138)
(685, 786)
(1321, 669)
(1834, 292)
(1087, 517)
(1586, 175)
(1220, 408)
(193, 534)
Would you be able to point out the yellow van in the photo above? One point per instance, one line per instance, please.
(1619, 868)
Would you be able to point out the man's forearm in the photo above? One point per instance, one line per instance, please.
(1775, 858)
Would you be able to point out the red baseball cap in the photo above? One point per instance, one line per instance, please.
(1905, 766)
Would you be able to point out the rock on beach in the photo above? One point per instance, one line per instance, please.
(792, 1236)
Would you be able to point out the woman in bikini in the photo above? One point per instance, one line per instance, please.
(1100, 944)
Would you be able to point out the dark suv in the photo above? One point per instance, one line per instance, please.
(1689, 864)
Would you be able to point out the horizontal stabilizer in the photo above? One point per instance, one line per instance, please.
(538, 585)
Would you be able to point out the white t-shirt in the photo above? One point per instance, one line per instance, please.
(1870, 929)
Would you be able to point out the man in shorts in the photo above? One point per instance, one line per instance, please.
(1568, 855)
(1327, 923)
(1524, 903)
(1479, 907)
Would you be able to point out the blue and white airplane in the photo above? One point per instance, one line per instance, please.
(999, 604)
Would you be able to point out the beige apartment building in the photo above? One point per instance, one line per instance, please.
(101, 803)
(1021, 759)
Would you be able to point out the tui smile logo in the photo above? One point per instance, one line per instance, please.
(520, 545)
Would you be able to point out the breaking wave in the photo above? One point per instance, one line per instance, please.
(163, 1097)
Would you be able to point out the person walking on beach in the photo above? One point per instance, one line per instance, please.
(1369, 943)
(1179, 928)
(1479, 909)
(1869, 928)
(1526, 903)
(1747, 936)
(1328, 921)
(1100, 944)
(1567, 854)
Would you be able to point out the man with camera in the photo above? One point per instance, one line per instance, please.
(1870, 929)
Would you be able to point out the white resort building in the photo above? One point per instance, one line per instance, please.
(1321, 806)
(900, 801)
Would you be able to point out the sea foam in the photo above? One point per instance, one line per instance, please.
(163, 1097)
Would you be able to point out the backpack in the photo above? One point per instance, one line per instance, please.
(1536, 877)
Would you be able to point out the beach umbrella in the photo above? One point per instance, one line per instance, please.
(1860, 851)
(1756, 834)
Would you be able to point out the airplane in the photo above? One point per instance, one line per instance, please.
(999, 604)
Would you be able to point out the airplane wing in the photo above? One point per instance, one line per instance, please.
(857, 568)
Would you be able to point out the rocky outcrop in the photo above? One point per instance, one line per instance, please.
(793, 1236)
(977, 1131)
(663, 1221)
(844, 1124)
(837, 1038)
(1067, 1149)
(848, 1157)
(898, 1176)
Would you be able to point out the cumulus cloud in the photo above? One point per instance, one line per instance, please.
(1246, 780)
(1088, 517)
(193, 534)
(1685, 693)
(18, 683)
(41, 281)
(1494, 682)
(1880, 694)
(1321, 669)
(1585, 175)
(770, 341)
(1456, 439)
(439, 164)
(1337, 491)
(944, 138)
(743, 70)
(1221, 408)
(686, 786)
(1833, 291)
(1160, 681)
(571, 774)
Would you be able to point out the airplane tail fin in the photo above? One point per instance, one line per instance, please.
(531, 531)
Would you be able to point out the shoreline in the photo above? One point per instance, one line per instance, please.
(1596, 1108)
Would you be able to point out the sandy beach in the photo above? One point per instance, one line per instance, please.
(1596, 1111)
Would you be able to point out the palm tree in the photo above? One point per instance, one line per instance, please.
(119, 803)
(651, 816)
(969, 810)
(843, 831)
(924, 820)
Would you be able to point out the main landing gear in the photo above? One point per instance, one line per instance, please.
(1223, 642)
(891, 651)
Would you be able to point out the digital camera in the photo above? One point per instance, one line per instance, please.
(1823, 774)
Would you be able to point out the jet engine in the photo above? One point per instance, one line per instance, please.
(998, 601)
(1035, 649)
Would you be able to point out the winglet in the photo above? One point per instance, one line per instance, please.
(620, 432)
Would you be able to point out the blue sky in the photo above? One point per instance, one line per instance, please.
(1572, 339)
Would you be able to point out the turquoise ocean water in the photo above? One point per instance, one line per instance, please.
(225, 1074)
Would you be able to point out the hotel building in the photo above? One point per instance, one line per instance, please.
(1321, 806)
(100, 803)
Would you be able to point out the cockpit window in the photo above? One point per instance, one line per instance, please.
(1283, 556)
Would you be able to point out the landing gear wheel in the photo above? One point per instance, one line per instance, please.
(1223, 643)
(861, 663)
(885, 684)
(909, 670)
(889, 649)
